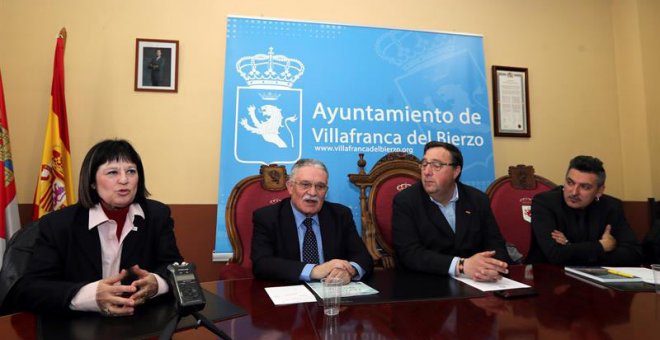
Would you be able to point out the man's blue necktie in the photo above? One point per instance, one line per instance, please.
(310, 247)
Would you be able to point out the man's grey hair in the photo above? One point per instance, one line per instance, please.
(307, 162)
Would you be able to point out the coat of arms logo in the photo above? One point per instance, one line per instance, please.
(268, 126)
(526, 206)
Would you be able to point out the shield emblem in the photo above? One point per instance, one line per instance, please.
(268, 125)
(527, 213)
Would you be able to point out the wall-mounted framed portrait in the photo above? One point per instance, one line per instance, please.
(156, 65)
(510, 102)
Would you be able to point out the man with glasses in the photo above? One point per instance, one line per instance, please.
(443, 226)
(306, 238)
(577, 224)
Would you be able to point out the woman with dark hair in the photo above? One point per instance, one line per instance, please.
(109, 252)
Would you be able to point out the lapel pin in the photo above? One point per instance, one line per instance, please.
(134, 229)
(468, 212)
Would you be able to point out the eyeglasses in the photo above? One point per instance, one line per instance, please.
(435, 165)
(304, 185)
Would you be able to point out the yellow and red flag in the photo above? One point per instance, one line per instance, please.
(55, 184)
(9, 219)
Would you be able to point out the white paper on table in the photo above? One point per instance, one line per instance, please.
(287, 295)
(501, 284)
(645, 273)
(354, 288)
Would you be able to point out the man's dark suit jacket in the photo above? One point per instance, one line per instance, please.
(550, 212)
(423, 239)
(67, 255)
(275, 244)
(156, 65)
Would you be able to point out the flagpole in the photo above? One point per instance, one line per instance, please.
(62, 35)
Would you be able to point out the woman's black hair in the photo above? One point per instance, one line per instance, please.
(103, 152)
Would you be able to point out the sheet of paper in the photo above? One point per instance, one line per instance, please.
(501, 284)
(287, 295)
(351, 289)
(645, 273)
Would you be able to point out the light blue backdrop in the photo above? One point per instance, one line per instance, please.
(316, 90)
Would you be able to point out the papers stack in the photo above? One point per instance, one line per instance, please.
(603, 274)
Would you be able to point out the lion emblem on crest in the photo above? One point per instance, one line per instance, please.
(269, 129)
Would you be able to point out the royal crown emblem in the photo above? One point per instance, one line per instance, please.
(270, 70)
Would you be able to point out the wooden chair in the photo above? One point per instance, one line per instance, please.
(249, 194)
(391, 174)
(511, 202)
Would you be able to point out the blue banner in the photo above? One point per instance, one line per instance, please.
(314, 90)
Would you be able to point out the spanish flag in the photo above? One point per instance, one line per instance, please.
(55, 185)
(9, 219)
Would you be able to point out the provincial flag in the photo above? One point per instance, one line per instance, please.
(9, 218)
(55, 184)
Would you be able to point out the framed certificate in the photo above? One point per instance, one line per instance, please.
(510, 102)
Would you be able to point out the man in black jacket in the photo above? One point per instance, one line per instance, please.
(442, 226)
(577, 224)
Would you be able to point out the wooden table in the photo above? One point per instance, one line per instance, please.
(564, 309)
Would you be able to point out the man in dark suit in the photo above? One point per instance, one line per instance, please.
(156, 66)
(442, 226)
(576, 224)
(304, 237)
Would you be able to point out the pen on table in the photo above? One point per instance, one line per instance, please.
(616, 272)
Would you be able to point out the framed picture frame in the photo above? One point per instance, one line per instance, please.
(511, 101)
(156, 65)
